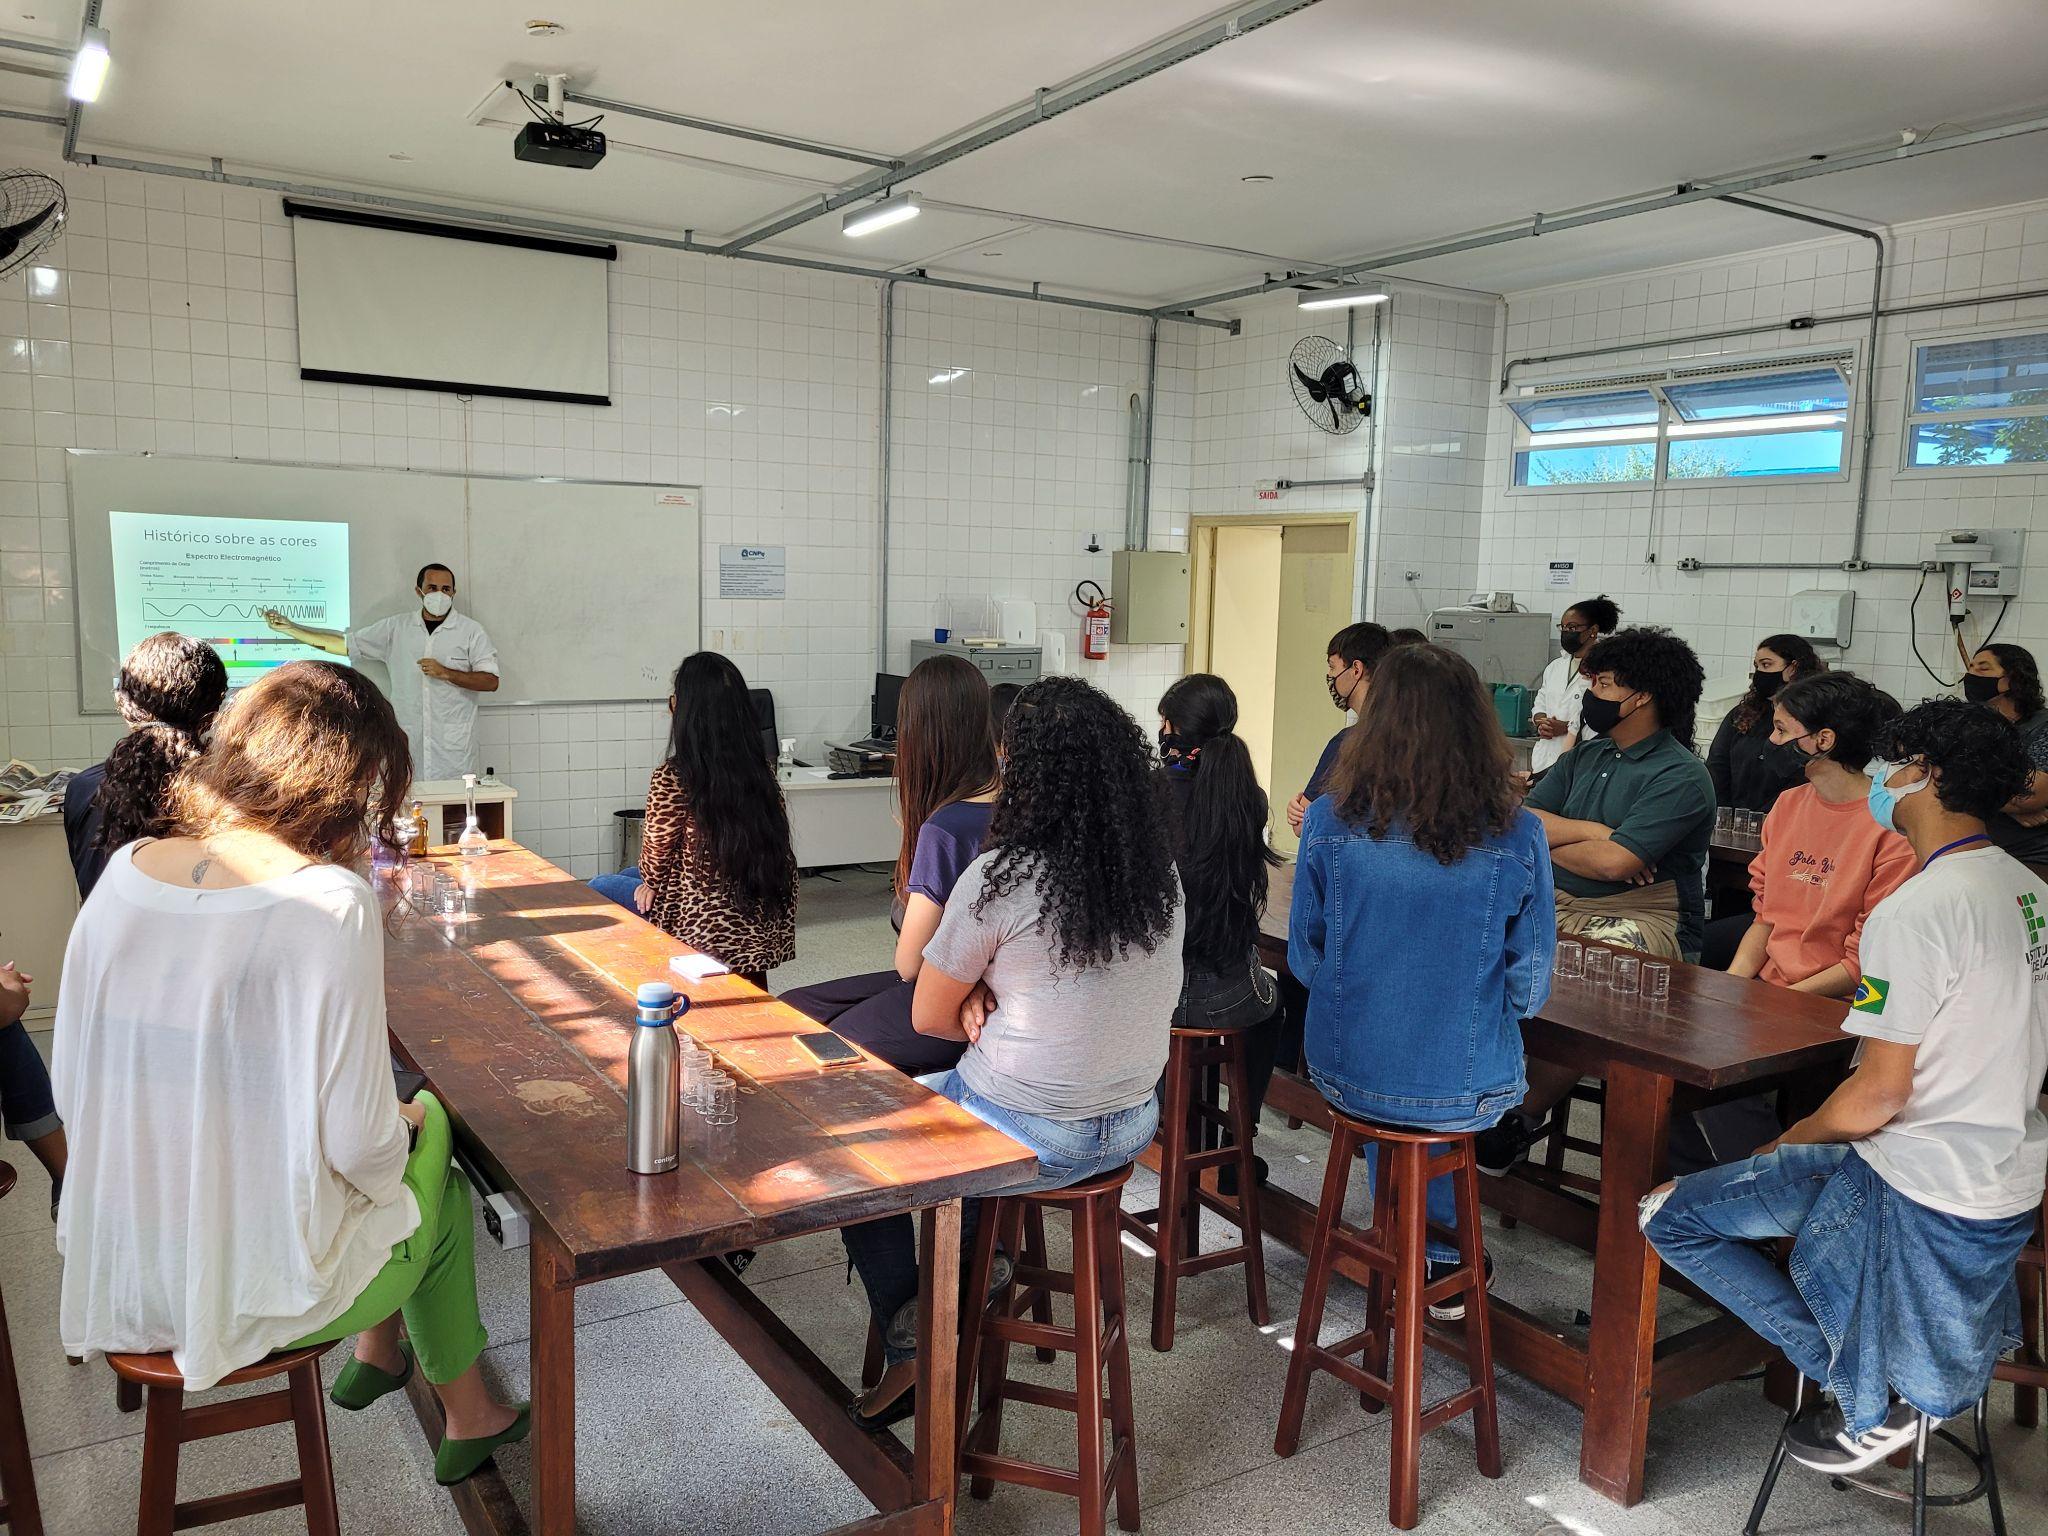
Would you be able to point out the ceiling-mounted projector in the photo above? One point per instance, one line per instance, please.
(559, 144)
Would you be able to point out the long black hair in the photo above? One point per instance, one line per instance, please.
(170, 689)
(1221, 835)
(2022, 676)
(1798, 654)
(714, 748)
(1083, 815)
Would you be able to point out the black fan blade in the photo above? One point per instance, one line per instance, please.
(1313, 386)
(1335, 424)
(13, 235)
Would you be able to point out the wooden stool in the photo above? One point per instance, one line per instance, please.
(1396, 1301)
(1097, 1339)
(171, 1424)
(2028, 1369)
(1199, 1060)
(19, 1511)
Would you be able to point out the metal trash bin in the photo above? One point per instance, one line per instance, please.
(632, 823)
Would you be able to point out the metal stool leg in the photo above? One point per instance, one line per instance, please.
(1990, 1468)
(1763, 1494)
(1920, 1477)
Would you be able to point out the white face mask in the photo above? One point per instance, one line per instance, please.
(437, 604)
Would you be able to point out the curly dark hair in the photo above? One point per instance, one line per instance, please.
(1221, 837)
(2022, 676)
(170, 689)
(1427, 756)
(1646, 658)
(1798, 655)
(1083, 816)
(1978, 757)
(1600, 612)
(1852, 708)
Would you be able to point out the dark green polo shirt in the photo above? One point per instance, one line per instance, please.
(1659, 799)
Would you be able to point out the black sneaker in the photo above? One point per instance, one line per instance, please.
(1226, 1176)
(1822, 1440)
(1498, 1148)
(1452, 1308)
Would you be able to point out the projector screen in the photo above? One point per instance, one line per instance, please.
(386, 300)
(213, 578)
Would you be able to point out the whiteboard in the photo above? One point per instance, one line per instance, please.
(590, 590)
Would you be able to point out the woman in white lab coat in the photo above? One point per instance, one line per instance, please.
(1562, 690)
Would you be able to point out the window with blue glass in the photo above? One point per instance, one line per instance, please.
(1979, 402)
(1689, 426)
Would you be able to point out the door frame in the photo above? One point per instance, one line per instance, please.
(1202, 566)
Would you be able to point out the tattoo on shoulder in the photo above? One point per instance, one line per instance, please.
(199, 870)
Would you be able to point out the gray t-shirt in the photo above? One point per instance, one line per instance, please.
(1070, 1045)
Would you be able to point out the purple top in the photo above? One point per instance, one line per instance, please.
(947, 843)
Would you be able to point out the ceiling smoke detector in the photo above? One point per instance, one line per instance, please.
(545, 29)
(1257, 179)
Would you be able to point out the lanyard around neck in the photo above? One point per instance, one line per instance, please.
(1974, 837)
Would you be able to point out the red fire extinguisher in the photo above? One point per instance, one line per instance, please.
(1094, 623)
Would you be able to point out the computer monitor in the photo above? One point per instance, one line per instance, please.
(888, 688)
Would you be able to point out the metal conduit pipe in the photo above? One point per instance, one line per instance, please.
(1869, 378)
(888, 308)
(74, 111)
(619, 236)
(1144, 519)
(1134, 453)
(1796, 323)
(33, 117)
(37, 45)
(729, 130)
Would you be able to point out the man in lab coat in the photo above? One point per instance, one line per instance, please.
(439, 661)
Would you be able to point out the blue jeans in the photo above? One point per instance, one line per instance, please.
(25, 1101)
(1442, 1200)
(884, 1252)
(619, 887)
(1708, 1228)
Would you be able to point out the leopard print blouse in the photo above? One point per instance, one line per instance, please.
(689, 900)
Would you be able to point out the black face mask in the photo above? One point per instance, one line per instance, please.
(1172, 746)
(1792, 756)
(1573, 640)
(1764, 684)
(1599, 715)
(1979, 689)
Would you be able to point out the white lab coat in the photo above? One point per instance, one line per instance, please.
(1559, 695)
(439, 718)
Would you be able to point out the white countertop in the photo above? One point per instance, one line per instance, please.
(803, 780)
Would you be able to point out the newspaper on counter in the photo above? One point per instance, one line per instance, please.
(26, 794)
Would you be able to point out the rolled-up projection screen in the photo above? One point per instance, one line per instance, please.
(441, 306)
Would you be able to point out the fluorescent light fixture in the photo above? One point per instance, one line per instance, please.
(891, 210)
(89, 66)
(948, 375)
(1342, 298)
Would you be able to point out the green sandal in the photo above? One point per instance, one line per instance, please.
(458, 1459)
(359, 1384)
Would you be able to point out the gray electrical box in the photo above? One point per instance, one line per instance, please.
(998, 663)
(1502, 647)
(1148, 597)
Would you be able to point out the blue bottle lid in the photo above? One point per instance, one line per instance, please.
(656, 999)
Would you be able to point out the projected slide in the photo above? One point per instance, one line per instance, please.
(212, 578)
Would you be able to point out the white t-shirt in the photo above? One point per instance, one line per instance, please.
(237, 1155)
(1955, 961)
(439, 718)
(1559, 695)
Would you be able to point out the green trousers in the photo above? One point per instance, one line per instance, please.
(431, 1277)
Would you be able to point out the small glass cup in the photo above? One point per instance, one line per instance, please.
(1571, 959)
(709, 1081)
(419, 882)
(696, 1062)
(1724, 819)
(1626, 969)
(1599, 964)
(447, 895)
(721, 1102)
(1656, 982)
(1753, 823)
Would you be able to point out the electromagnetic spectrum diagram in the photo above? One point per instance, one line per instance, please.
(213, 578)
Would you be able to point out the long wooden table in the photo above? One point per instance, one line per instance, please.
(1719, 1036)
(519, 1015)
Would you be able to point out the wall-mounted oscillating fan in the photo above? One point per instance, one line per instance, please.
(31, 216)
(1327, 385)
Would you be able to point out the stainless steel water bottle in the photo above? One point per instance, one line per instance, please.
(654, 1080)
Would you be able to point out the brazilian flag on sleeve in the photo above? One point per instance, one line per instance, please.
(1871, 992)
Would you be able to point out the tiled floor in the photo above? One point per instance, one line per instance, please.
(675, 1435)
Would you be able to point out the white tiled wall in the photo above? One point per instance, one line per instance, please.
(1431, 407)
(164, 320)
(1724, 613)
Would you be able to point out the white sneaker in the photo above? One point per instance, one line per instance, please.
(1822, 1439)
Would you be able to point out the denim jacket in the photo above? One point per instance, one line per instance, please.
(1418, 974)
